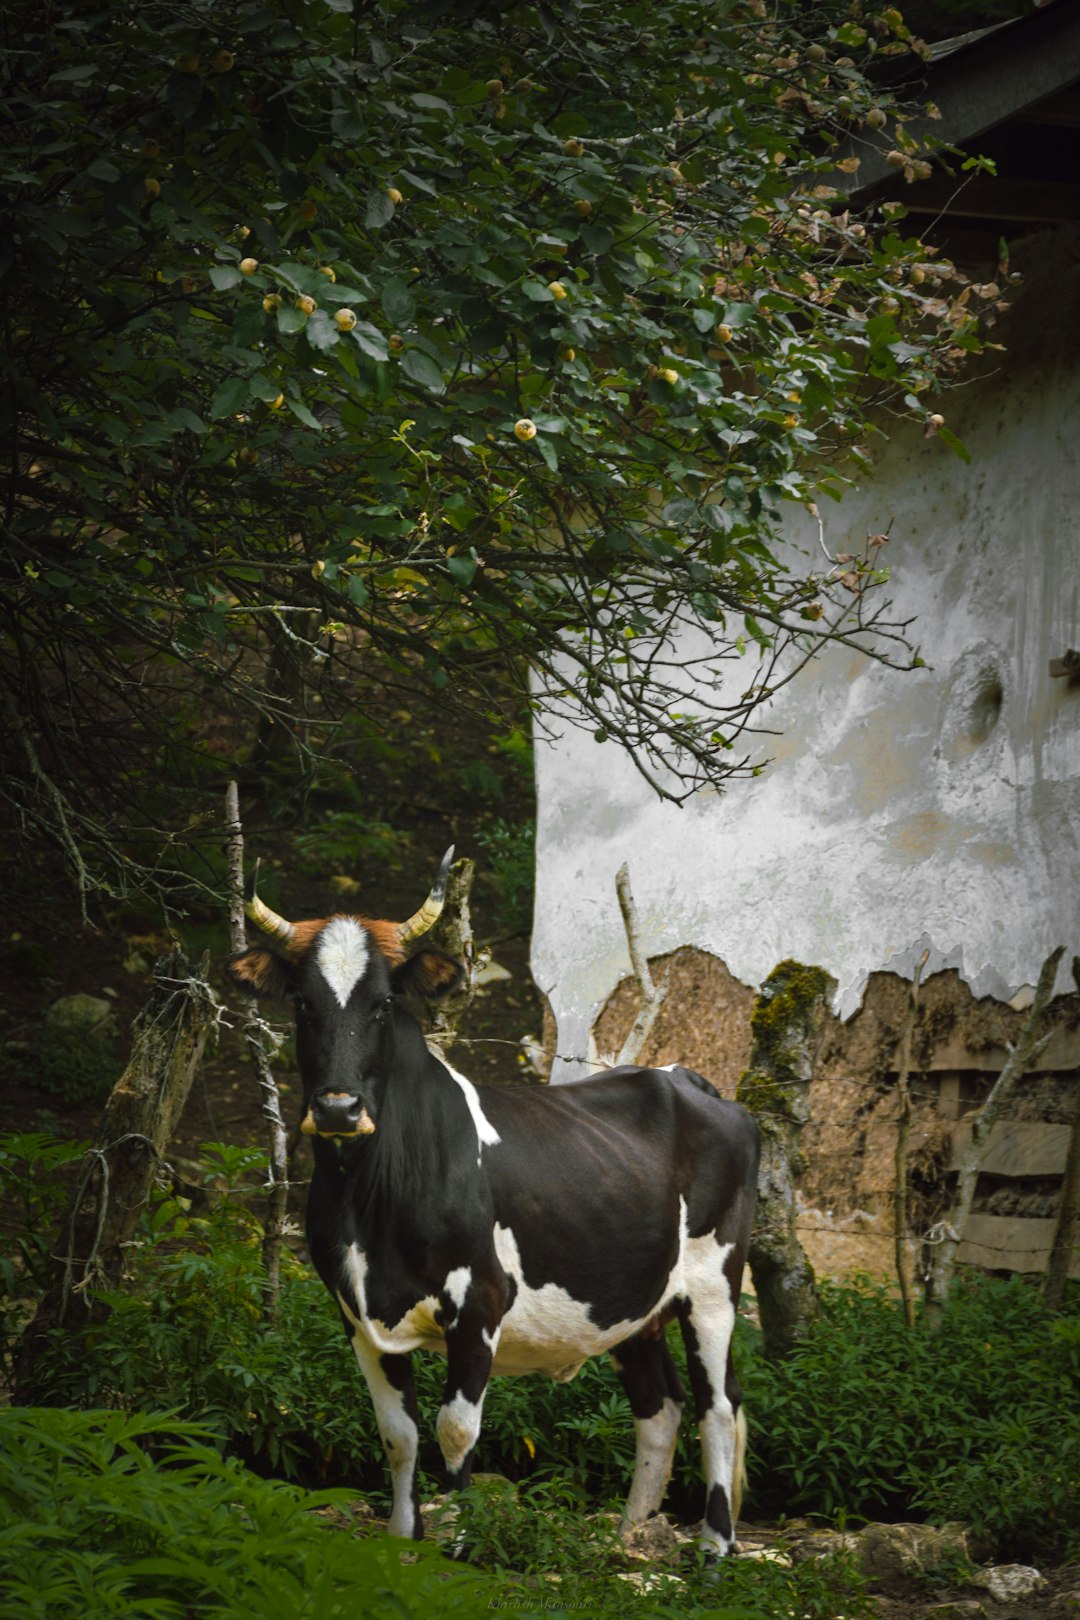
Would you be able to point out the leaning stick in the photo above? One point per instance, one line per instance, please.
(653, 995)
(255, 1033)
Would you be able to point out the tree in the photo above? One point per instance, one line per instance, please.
(356, 349)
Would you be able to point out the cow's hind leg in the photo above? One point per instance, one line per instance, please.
(652, 1386)
(707, 1322)
(393, 1394)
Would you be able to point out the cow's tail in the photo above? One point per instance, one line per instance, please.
(738, 1473)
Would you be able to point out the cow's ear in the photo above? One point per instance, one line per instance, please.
(429, 974)
(258, 972)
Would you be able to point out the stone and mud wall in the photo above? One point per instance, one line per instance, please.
(845, 1190)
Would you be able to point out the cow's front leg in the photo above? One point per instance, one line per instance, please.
(393, 1394)
(471, 1339)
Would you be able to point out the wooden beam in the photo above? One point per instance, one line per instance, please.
(1061, 111)
(1018, 202)
(998, 76)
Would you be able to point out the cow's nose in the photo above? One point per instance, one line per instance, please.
(337, 1113)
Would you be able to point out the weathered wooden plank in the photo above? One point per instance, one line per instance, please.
(1017, 1148)
(1009, 1243)
(1062, 1053)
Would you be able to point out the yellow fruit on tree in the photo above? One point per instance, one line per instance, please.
(307, 304)
(573, 149)
(525, 430)
(271, 302)
(345, 320)
(568, 353)
(152, 187)
(276, 404)
(394, 195)
(328, 271)
(556, 289)
(725, 334)
(248, 267)
(222, 61)
(668, 374)
(583, 207)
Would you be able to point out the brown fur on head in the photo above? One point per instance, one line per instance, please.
(262, 971)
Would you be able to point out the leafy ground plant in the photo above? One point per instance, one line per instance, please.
(106, 1513)
(982, 1423)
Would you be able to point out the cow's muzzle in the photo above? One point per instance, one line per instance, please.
(337, 1113)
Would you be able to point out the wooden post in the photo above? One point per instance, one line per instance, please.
(903, 1126)
(255, 1038)
(1067, 1228)
(118, 1172)
(1021, 1057)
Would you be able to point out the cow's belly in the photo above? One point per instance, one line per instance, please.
(547, 1330)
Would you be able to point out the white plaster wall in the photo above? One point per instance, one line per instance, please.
(880, 827)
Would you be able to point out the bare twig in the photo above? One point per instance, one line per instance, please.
(653, 995)
(255, 1033)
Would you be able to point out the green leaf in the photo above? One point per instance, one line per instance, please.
(956, 445)
(423, 370)
(537, 291)
(321, 332)
(74, 75)
(398, 303)
(229, 397)
(371, 341)
(462, 568)
(548, 453)
(378, 210)
(300, 410)
(224, 276)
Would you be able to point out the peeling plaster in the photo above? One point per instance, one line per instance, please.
(938, 809)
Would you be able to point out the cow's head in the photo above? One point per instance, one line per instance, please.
(343, 974)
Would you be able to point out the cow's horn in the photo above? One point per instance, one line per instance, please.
(431, 910)
(269, 921)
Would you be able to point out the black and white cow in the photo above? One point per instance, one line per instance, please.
(513, 1230)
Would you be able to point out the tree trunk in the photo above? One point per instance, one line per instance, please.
(119, 1169)
(1067, 1230)
(951, 1231)
(788, 1024)
(903, 1127)
(453, 934)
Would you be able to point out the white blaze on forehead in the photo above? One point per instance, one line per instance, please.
(342, 955)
